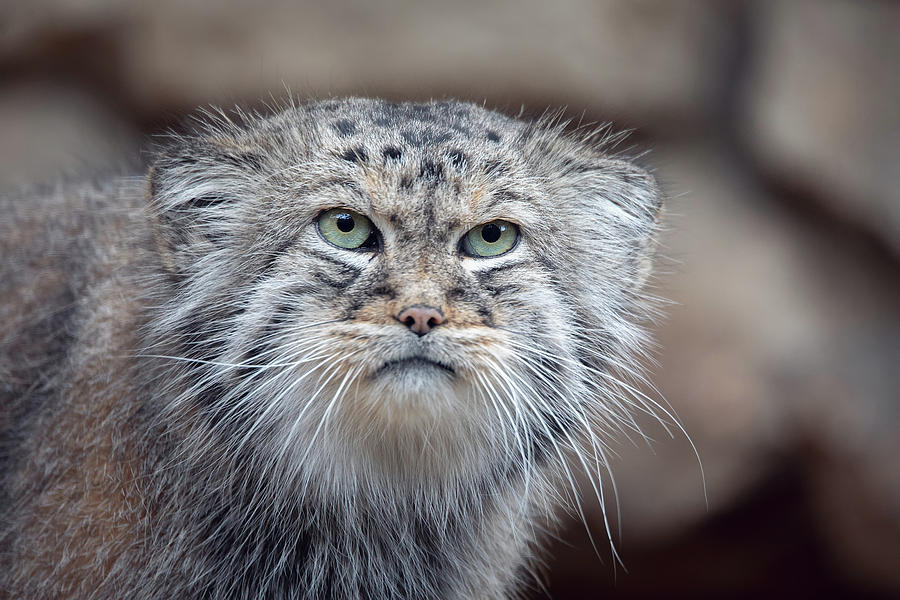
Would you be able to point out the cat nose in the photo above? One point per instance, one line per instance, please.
(420, 318)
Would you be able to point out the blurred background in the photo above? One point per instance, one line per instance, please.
(774, 128)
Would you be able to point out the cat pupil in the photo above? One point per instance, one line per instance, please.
(345, 223)
(490, 233)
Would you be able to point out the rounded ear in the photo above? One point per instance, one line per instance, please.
(638, 194)
(620, 205)
(194, 186)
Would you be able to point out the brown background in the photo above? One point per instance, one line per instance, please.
(773, 126)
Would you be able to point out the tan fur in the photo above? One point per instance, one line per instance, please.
(201, 396)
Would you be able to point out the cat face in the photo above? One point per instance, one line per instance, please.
(366, 285)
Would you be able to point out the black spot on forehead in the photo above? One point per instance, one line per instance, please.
(391, 153)
(457, 158)
(355, 155)
(345, 127)
(493, 135)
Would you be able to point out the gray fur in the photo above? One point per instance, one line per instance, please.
(191, 404)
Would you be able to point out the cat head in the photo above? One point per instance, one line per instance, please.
(414, 289)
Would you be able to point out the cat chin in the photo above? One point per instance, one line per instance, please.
(412, 420)
(411, 396)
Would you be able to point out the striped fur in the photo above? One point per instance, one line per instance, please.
(200, 397)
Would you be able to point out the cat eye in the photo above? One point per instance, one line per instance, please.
(490, 239)
(347, 229)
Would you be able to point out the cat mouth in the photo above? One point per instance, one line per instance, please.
(413, 362)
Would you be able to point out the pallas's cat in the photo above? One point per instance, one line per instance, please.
(346, 350)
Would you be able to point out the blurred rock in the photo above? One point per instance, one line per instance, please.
(823, 105)
(53, 131)
(635, 60)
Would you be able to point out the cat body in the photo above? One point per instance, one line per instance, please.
(342, 351)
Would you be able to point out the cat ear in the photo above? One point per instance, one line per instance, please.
(194, 186)
(625, 205)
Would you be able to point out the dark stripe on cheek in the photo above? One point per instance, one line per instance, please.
(483, 276)
(323, 256)
(497, 290)
(346, 278)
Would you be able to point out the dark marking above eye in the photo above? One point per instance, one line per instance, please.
(391, 153)
(348, 275)
(355, 155)
(345, 127)
(406, 182)
(493, 135)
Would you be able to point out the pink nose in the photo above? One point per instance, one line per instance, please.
(420, 319)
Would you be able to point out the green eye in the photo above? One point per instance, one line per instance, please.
(491, 239)
(346, 229)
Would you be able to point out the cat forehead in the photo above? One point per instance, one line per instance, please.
(454, 158)
(413, 125)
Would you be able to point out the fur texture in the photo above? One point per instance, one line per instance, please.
(201, 397)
